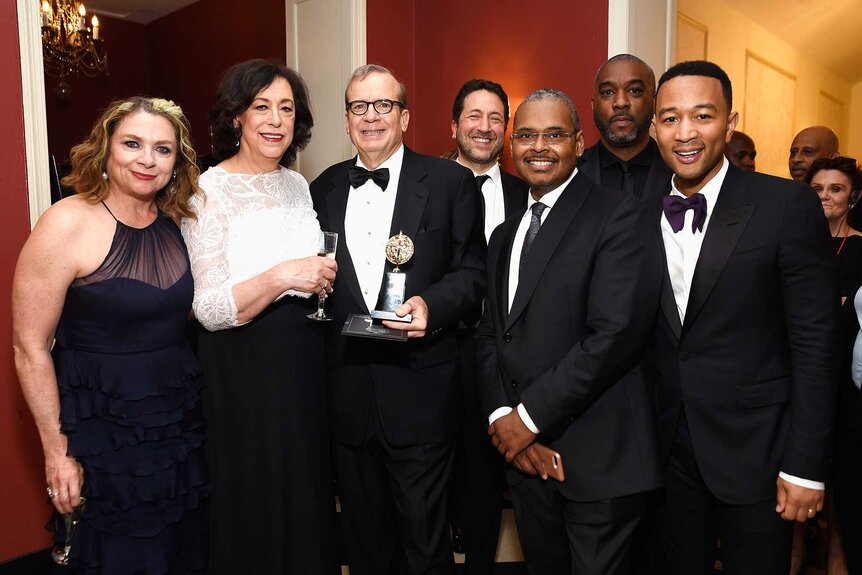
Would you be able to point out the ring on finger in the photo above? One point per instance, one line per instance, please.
(51, 493)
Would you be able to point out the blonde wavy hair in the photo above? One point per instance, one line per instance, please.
(89, 158)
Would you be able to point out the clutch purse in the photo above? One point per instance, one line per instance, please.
(60, 554)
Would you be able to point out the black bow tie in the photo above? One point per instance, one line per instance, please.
(359, 175)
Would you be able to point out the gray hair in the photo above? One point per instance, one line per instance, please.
(363, 72)
(552, 94)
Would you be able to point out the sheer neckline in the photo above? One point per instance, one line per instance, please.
(124, 224)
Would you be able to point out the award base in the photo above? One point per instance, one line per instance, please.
(359, 325)
(390, 316)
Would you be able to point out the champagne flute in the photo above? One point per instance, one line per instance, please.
(326, 249)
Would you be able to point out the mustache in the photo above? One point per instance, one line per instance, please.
(622, 115)
(481, 134)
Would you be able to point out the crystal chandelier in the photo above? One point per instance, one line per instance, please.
(69, 45)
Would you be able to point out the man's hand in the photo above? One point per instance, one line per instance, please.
(797, 503)
(524, 464)
(416, 328)
(510, 436)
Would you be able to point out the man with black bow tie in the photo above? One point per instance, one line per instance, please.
(394, 406)
(744, 346)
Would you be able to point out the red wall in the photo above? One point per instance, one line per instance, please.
(69, 120)
(437, 46)
(180, 57)
(23, 503)
(189, 49)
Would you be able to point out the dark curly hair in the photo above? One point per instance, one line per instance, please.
(238, 88)
(845, 165)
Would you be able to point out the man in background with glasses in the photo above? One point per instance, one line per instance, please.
(568, 306)
(394, 405)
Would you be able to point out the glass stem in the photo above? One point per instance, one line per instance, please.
(320, 302)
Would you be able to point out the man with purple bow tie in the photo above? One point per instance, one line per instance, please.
(743, 348)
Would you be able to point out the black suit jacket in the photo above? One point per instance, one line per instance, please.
(514, 194)
(754, 360)
(657, 181)
(414, 384)
(576, 327)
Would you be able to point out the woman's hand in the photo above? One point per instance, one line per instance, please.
(65, 478)
(313, 274)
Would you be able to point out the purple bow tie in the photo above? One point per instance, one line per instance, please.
(676, 206)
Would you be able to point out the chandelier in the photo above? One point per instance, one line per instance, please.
(69, 45)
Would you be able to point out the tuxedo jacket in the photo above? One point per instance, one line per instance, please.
(657, 181)
(514, 194)
(415, 383)
(753, 362)
(576, 327)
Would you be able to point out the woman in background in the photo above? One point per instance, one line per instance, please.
(106, 273)
(838, 182)
(253, 249)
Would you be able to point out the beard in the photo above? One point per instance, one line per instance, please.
(465, 149)
(625, 140)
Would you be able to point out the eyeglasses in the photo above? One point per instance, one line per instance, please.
(551, 137)
(359, 107)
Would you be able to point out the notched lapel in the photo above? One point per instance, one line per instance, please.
(726, 225)
(558, 221)
(336, 204)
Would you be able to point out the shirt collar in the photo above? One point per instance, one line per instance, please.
(643, 158)
(551, 197)
(710, 190)
(392, 163)
(493, 172)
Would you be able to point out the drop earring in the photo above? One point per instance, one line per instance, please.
(105, 175)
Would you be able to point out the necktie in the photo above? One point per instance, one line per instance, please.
(359, 175)
(628, 180)
(535, 224)
(676, 206)
(480, 181)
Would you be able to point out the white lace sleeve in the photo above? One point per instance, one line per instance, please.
(206, 239)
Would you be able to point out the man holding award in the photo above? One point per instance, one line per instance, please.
(411, 265)
(569, 303)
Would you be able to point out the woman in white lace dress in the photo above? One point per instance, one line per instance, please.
(253, 254)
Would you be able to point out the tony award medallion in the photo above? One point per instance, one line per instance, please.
(399, 250)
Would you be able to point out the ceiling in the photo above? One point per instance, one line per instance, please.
(826, 30)
(140, 11)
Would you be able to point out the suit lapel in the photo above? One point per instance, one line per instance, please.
(658, 180)
(411, 198)
(667, 300)
(501, 264)
(336, 204)
(514, 195)
(545, 244)
(726, 224)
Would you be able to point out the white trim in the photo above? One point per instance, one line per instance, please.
(35, 119)
(618, 27)
(358, 54)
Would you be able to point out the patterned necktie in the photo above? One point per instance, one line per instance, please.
(535, 224)
(675, 208)
(359, 175)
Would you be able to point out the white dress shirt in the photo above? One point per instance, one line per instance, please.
(366, 226)
(549, 200)
(683, 249)
(492, 193)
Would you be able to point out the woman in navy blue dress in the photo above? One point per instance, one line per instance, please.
(105, 277)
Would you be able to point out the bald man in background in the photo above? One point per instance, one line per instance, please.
(811, 144)
(740, 151)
